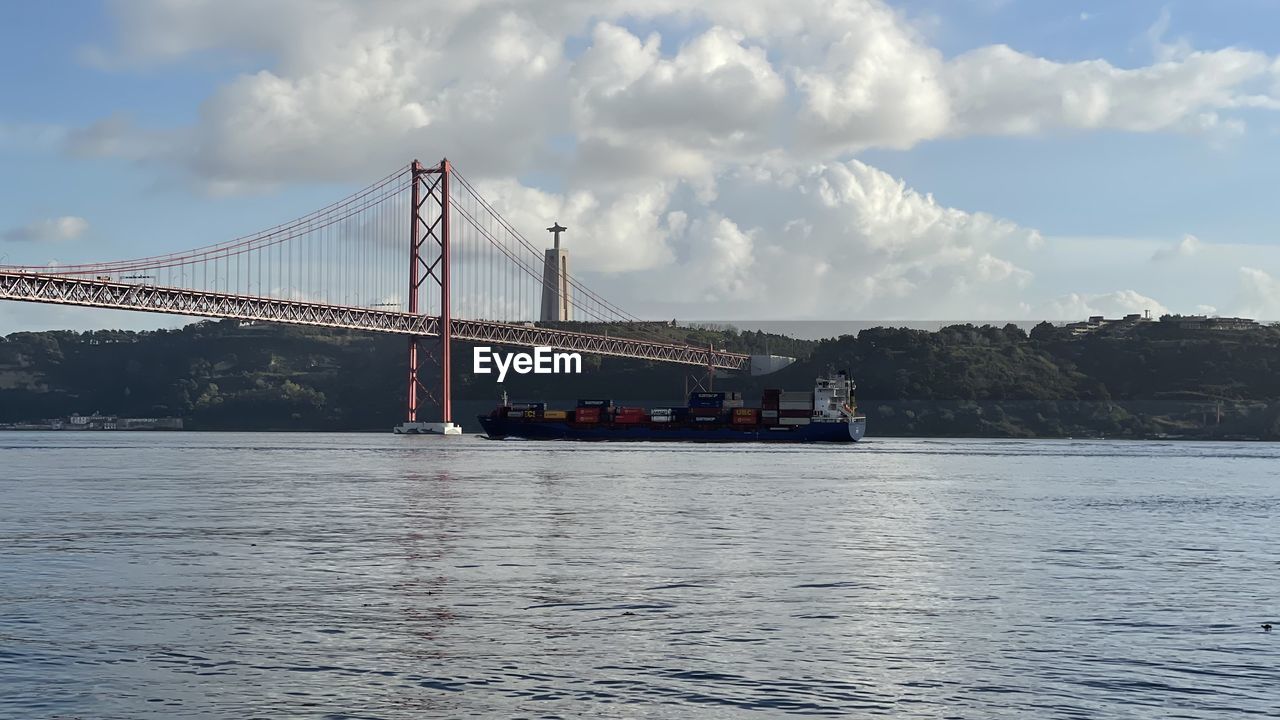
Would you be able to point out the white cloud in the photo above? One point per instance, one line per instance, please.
(1187, 247)
(58, 229)
(347, 86)
(622, 231)
(997, 90)
(1259, 294)
(830, 239)
(877, 83)
(1078, 306)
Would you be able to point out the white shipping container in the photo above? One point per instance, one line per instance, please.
(793, 421)
(732, 404)
(660, 418)
(769, 413)
(784, 405)
(660, 411)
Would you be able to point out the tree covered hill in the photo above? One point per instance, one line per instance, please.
(1140, 381)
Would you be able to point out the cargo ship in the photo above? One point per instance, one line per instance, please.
(827, 414)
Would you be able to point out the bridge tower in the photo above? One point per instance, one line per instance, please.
(429, 265)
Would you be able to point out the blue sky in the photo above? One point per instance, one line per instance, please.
(117, 114)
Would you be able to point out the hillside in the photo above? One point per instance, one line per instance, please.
(962, 380)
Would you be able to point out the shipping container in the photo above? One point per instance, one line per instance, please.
(538, 406)
(630, 419)
(595, 403)
(705, 418)
(793, 421)
(515, 413)
(707, 395)
(660, 418)
(795, 413)
(587, 412)
(768, 413)
(530, 414)
(554, 415)
(715, 404)
(745, 411)
(660, 411)
(733, 403)
(744, 420)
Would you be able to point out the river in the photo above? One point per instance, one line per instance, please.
(154, 575)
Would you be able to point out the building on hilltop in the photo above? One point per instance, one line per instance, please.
(1098, 322)
(1203, 322)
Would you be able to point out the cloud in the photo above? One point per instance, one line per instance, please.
(67, 227)
(1078, 306)
(1188, 246)
(340, 94)
(998, 90)
(1259, 294)
(787, 239)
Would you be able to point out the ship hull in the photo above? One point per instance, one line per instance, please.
(830, 432)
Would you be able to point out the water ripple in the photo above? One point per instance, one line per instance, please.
(362, 576)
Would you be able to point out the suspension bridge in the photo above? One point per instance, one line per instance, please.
(419, 253)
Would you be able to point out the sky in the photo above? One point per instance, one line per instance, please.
(801, 159)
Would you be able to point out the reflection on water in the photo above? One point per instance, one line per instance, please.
(192, 575)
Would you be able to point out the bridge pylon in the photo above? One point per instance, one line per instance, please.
(429, 265)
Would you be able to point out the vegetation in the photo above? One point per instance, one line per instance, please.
(1143, 380)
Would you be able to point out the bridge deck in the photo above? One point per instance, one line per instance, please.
(64, 290)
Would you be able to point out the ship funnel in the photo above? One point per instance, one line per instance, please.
(765, 364)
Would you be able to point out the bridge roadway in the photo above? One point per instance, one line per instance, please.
(66, 290)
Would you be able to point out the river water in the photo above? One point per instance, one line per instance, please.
(372, 576)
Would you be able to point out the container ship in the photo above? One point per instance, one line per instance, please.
(827, 414)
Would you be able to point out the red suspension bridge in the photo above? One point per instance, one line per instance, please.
(418, 253)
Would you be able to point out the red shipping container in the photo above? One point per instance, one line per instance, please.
(583, 414)
(630, 419)
(744, 420)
